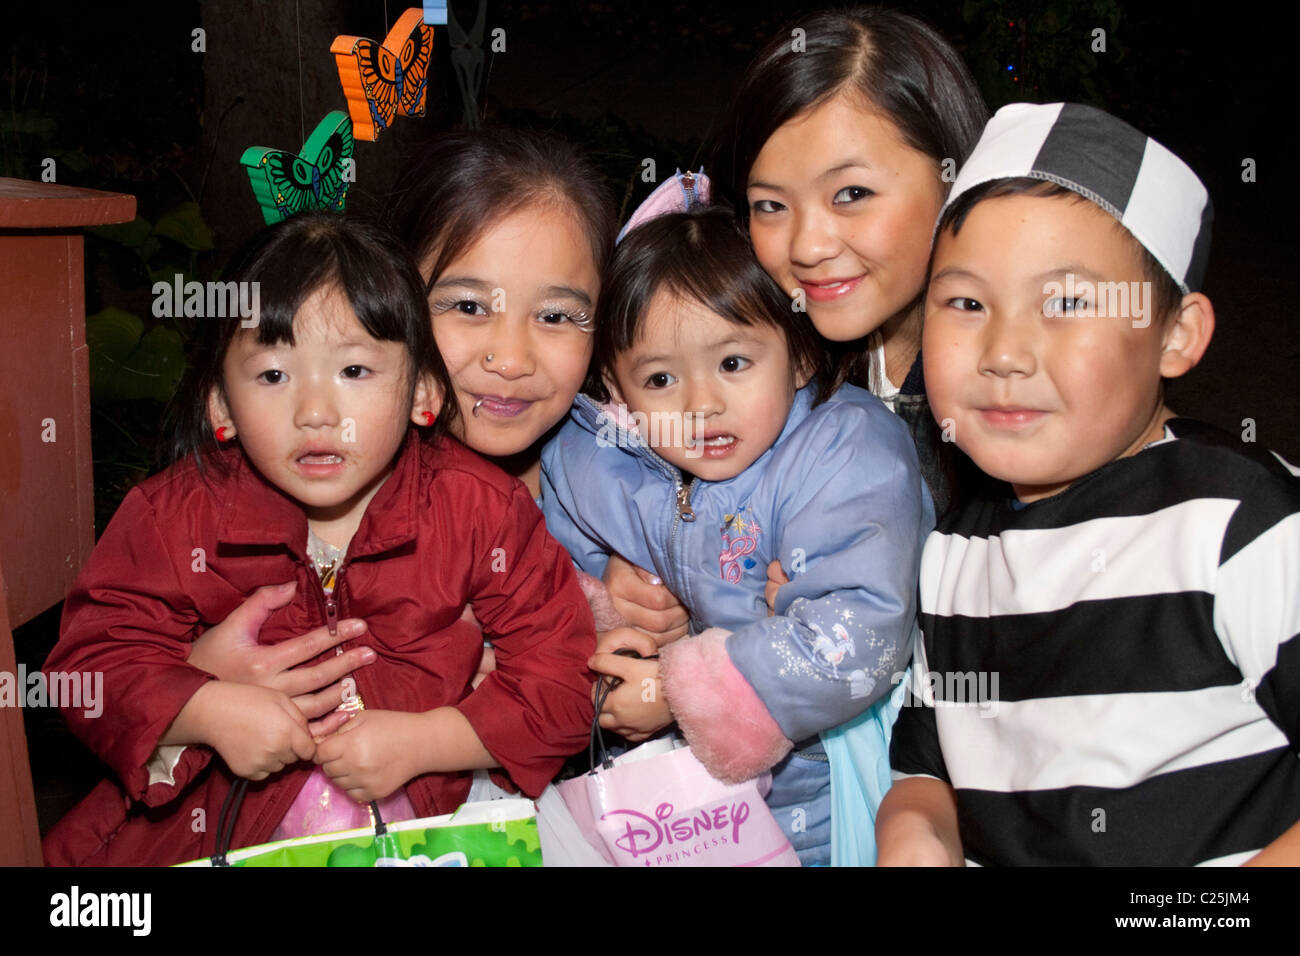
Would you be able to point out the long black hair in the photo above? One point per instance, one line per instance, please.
(289, 261)
(890, 61)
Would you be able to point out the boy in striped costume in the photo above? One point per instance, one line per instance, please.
(1110, 671)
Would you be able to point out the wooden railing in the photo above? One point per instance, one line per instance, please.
(46, 479)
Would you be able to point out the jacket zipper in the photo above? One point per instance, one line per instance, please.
(331, 607)
(684, 500)
(683, 513)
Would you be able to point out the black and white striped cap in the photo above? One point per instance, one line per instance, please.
(1153, 193)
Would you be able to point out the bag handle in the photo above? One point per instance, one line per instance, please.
(604, 687)
(226, 822)
(230, 812)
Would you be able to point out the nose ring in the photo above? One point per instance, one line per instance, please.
(490, 357)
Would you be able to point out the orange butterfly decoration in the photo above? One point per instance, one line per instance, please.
(381, 80)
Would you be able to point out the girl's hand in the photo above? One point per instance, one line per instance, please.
(636, 709)
(231, 652)
(374, 753)
(607, 642)
(644, 601)
(775, 579)
(256, 731)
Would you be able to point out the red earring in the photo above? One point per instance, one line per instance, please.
(221, 433)
(429, 418)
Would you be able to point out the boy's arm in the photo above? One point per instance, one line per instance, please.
(917, 821)
(1257, 615)
(917, 825)
(1284, 851)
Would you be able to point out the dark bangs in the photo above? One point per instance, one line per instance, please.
(701, 255)
(370, 267)
(290, 261)
(889, 60)
(462, 182)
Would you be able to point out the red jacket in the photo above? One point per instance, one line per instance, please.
(444, 530)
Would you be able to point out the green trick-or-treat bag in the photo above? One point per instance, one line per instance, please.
(488, 833)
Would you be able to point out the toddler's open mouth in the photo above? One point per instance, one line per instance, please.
(713, 445)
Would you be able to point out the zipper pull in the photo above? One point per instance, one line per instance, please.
(684, 503)
(688, 185)
(332, 604)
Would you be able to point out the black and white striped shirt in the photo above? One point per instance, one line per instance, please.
(1112, 675)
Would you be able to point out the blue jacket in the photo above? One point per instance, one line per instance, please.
(839, 499)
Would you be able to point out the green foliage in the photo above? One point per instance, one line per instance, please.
(185, 224)
(134, 235)
(136, 362)
(127, 362)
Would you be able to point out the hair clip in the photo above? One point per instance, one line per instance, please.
(684, 192)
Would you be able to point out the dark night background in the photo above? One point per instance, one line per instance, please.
(117, 97)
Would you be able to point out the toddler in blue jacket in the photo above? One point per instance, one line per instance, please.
(718, 454)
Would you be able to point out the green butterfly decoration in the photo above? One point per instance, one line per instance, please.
(317, 178)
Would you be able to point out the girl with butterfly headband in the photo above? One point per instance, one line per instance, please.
(722, 451)
(308, 450)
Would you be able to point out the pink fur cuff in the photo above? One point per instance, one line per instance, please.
(721, 717)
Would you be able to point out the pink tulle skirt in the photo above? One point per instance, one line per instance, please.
(321, 807)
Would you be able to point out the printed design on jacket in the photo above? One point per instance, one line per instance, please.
(829, 635)
(832, 650)
(740, 533)
(861, 684)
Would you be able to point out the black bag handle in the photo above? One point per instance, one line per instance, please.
(604, 687)
(230, 812)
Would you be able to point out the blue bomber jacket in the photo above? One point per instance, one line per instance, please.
(839, 499)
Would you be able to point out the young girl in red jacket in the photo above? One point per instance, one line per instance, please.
(308, 449)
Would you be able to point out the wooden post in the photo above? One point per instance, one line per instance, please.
(20, 838)
(47, 515)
